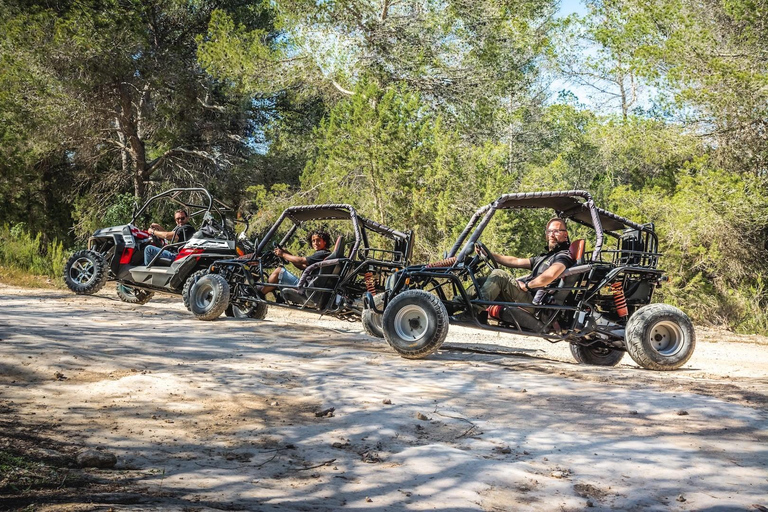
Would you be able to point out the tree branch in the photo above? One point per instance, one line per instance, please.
(341, 89)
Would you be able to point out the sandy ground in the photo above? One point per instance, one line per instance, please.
(234, 415)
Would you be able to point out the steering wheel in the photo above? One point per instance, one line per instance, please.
(270, 259)
(282, 260)
(154, 239)
(486, 255)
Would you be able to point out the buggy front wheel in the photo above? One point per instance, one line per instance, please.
(372, 323)
(415, 324)
(660, 337)
(86, 272)
(209, 297)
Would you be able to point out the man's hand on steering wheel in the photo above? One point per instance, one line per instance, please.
(270, 259)
(154, 239)
(280, 252)
(485, 255)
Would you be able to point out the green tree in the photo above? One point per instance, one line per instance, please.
(595, 54)
(709, 60)
(387, 154)
(469, 60)
(112, 93)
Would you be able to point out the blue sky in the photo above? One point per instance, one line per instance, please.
(572, 6)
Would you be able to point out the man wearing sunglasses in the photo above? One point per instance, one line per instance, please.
(181, 233)
(545, 268)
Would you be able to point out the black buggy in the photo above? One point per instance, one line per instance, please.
(360, 262)
(601, 305)
(117, 253)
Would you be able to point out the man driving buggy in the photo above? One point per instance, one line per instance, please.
(320, 241)
(501, 286)
(181, 233)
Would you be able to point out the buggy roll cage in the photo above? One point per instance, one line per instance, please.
(361, 258)
(575, 205)
(360, 226)
(193, 209)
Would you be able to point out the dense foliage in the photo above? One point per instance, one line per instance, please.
(415, 112)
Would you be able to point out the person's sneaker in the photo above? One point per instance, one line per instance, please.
(466, 317)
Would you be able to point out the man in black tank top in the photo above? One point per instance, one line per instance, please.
(503, 287)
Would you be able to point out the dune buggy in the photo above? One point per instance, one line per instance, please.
(334, 286)
(601, 305)
(117, 253)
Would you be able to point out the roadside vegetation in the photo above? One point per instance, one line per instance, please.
(27, 260)
(415, 112)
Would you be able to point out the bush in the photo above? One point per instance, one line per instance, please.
(19, 250)
(711, 226)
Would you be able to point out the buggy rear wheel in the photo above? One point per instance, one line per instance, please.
(209, 297)
(257, 310)
(415, 324)
(188, 285)
(597, 356)
(86, 272)
(133, 295)
(660, 337)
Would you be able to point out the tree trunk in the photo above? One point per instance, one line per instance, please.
(134, 144)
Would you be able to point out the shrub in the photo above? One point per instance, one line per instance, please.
(711, 226)
(20, 250)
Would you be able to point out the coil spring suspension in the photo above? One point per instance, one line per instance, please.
(619, 299)
(442, 263)
(369, 285)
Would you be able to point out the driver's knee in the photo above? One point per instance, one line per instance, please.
(275, 275)
(498, 275)
(149, 253)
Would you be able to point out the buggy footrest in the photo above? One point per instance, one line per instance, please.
(515, 316)
(295, 297)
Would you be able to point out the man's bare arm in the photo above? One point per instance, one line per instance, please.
(511, 261)
(299, 261)
(547, 276)
(167, 235)
(507, 261)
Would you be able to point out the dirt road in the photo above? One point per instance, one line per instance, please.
(300, 413)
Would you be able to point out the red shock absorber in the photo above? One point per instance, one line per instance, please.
(621, 301)
(369, 282)
(495, 311)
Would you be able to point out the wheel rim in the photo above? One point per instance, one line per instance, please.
(666, 338)
(82, 271)
(204, 296)
(128, 291)
(600, 352)
(239, 312)
(411, 323)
